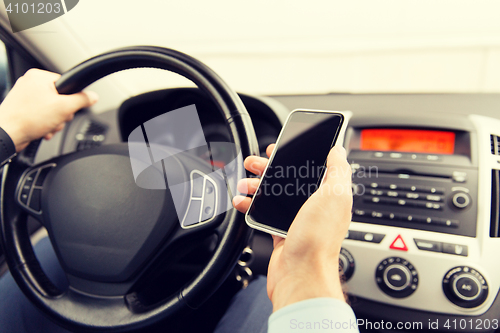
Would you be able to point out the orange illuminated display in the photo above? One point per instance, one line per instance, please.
(408, 140)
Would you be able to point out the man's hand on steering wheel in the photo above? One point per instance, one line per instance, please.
(305, 264)
(34, 109)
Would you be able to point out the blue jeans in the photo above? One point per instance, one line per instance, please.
(248, 312)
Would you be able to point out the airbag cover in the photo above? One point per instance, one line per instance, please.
(103, 225)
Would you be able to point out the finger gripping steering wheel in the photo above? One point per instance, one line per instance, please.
(71, 199)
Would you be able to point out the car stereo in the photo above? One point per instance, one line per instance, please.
(414, 178)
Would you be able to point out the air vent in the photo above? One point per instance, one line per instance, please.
(495, 204)
(91, 135)
(495, 144)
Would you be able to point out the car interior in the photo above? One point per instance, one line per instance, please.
(425, 230)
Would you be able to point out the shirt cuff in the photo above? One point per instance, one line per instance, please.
(7, 147)
(314, 315)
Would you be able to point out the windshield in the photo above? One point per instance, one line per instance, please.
(298, 47)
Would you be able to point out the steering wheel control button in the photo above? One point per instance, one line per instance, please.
(426, 245)
(30, 192)
(196, 185)
(459, 250)
(396, 277)
(346, 263)
(208, 202)
(466, 287)
(30, 178)
(35, 201)
(398, 244)
(202, 205)
(460, 200)
(193, 213)
(41, 176)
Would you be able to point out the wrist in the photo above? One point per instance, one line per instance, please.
(311, 282)
(14, 132)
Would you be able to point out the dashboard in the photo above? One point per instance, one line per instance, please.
(424, 234)
(425, 230)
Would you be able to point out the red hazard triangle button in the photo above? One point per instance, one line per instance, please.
(399, 244)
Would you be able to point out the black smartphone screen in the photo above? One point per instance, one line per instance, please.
(296, 169)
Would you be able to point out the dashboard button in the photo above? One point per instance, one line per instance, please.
(412, 195)
(416, 157)
(433, 197)
(432, 189)
(346, 263)
(377, 238)
(411, 188)
(396, 277)
(426, 245)
(396, 155)
(376, 192)
(446, 222)
(369, 237)
(360, 212)
(464, 286)
(435, 206)
(467, 287)
(460, 200)
(375, 200)
(459, 250)
(459, 176)
(398, 244)
(433, 158)
(354, 235)
(410, 218)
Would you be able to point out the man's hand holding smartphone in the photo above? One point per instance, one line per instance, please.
(306, 264)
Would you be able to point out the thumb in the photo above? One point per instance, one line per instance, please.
(338, 169)
(81, 100)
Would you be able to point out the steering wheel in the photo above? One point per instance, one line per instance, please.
(106, 230)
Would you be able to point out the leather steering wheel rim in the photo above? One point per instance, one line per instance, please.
(85, 315)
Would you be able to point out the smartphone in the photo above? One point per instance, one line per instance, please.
(295, 169)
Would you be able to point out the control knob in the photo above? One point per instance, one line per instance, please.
(346, 263)
(464, 286)
(396, 277)
(460, 200)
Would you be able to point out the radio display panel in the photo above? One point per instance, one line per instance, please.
(408, 140)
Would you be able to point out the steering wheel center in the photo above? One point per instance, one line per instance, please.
(102, 224)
